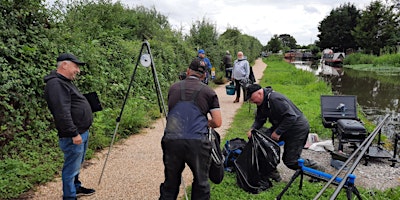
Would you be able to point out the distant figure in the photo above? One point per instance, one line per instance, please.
(240, 73)
(202, 55)
(227, 61)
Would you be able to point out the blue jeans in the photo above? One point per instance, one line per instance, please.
(74, 155)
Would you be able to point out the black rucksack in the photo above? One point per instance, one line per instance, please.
(232, 149)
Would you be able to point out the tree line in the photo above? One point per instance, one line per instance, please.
(374, 30)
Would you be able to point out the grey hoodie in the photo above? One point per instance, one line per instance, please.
(241, 69)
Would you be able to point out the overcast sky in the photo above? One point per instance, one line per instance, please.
(259, 18)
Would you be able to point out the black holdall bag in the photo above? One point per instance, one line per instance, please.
(216, 172)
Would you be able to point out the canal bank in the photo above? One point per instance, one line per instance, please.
(377, 93)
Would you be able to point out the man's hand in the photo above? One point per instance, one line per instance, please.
(249, 133)
(77, 139)
(275, 136)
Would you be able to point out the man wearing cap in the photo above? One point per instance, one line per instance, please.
(185, 137)
(202, 55)
(288, 122)
(72, 116)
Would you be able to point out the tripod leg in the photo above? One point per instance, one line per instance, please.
(356, 192)
(295, 175)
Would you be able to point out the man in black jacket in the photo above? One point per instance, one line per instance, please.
(288, 122)
(72, 116)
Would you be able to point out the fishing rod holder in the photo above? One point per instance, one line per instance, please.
(316, 174)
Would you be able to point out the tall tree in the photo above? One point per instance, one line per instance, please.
(275, 44)
(233, 40)
(377, 27)
(203, 35)
(335, 29)
(288, 41)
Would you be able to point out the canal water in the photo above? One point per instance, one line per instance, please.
(377, 94)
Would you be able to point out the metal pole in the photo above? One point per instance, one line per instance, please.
(370, 137)
(352, 168)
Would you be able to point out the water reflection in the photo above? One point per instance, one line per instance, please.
(377, 94)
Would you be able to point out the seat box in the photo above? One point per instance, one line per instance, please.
(351, 130)
(335, 107)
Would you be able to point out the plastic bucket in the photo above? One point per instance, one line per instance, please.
(230, 89)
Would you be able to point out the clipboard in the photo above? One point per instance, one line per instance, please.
(94, 101)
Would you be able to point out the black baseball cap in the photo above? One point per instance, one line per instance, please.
(69, 57)
(198, 65)
(250, 89)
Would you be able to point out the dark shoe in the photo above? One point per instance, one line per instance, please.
(275, 176)
(236, 100)
(81, 191)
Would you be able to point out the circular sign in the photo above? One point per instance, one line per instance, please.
(145, 60)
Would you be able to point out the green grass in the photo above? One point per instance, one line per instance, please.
(304, 89)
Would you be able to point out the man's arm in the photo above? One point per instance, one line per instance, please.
(216, 119)
(247, 66)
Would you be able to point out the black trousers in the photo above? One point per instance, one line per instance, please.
(228, 71)
(237, 89)
(294, 139)
(294, 144)
(196, 154)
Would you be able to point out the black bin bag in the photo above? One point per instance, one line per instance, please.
(258, 159)
(216, 173)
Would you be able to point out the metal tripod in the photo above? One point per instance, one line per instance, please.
(146, 59)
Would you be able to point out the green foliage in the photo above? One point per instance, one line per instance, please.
(377, 28)
(288, 41)
(109, 37)
(274, 45)
(358, 58)
(335, 29)
(386, 60)
(235, 41)
(105, 35)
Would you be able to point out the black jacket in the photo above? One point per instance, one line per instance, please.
(70, 109)
(284, 116)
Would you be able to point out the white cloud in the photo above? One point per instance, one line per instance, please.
(259, 18)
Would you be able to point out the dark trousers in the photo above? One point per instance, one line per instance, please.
(237, 89)
(294, 144)
(294, 139)
(228, 71)
(196, 154)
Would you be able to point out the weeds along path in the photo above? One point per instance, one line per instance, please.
(134, 168)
